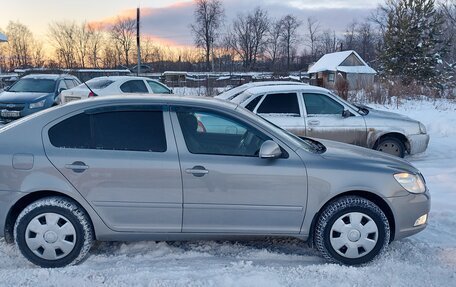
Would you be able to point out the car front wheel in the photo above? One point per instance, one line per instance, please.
(53, 232)
(351, 230)
(391, 146)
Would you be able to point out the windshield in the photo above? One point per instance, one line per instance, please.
(97, 84)
(307, 144)
(30, 85)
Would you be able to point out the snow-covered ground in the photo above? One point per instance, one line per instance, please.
(426, 259)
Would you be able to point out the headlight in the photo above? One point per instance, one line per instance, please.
(422, 128)
(411, 182)
(36, 105)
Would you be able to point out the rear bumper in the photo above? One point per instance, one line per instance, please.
(418, 143)
(406, 210)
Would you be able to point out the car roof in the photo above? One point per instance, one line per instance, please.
(277, 88)
(157, 98)
(247, 94)
(48, 76)
(118, 78)
(233, 91)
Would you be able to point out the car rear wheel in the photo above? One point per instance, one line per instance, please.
(351, 230)
(53, 232)
(391, 146)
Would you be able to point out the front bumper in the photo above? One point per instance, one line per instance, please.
(406, 210)
(418, 143)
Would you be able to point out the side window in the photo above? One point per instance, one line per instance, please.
(134, 86)
(207, 132)
(286, 103)
(69, 83)
(135, 130)
(320, 104)
(62, 85)
(129, 130)
(253, 103)
(73, 132)
(158, 88)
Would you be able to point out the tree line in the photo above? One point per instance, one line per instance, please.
(410, 39)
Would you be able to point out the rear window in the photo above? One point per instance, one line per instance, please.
(117, 130)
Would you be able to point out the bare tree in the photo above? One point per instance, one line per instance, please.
(20, 41)
(248, 36)
(123, 33)
(350, 36)
(95, 45)
(62, 35)
(289, 37)
(328, 42)
(208, 20)
(82, 39)
(366, 40)
(273, 42)
(313, 35)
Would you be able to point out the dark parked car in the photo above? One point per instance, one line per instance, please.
(33, 93)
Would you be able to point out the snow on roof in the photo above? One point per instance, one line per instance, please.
(3, 38)
(332, 61)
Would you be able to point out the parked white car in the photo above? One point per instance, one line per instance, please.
(316, 112)
(234, 92)
(115, 85)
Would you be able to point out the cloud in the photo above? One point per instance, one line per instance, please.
(170, 25)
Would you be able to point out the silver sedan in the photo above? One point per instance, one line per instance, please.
(173, 168)
(316, 112)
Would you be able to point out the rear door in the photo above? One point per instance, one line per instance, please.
(123, 160)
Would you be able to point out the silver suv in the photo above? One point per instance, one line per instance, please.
(173, 168)
(316, 112)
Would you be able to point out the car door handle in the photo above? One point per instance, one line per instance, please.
(77, 166)
(197, 171)
(313, 122)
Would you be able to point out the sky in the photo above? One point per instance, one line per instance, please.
(168, 21)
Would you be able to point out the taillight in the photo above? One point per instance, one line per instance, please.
(91, 94)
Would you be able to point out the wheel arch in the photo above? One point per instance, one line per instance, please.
(24, 201)
(395, 135)
(376, 199)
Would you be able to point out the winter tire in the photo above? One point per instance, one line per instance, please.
(351, 230)
(53, 232)
(392, 146)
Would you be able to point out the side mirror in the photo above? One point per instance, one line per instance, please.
(346, 114)
(269, 149)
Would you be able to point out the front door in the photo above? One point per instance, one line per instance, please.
(227, 187)
(324, 119)
(123, 160)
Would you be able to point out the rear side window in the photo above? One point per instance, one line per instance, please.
(134, 86)
(251, 106)
(286, 103)
(70, 84)
(73, 132)
(117, 130)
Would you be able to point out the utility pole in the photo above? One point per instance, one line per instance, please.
(138, 41)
